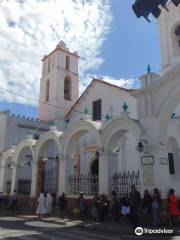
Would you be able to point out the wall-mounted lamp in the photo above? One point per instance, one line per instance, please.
(140, 147)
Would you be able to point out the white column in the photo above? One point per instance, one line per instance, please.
(13, 183)
(64, 171)
(63, 176)
(103, 173)
(34, 178)
(108, 164)
(2, 173)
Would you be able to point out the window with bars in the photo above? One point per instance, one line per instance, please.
(171, 163)
(67, 88)
(67, 63)
(96, 110)
(47, 90)
(24, 186)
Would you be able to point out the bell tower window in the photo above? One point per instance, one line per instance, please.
(47, 90)
(67, 88)
(67, 63)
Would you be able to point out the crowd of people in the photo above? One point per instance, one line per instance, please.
(130, 208)
(8, 201)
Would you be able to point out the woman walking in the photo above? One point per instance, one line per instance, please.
(49, 203)
(173, 210)
(147, 207)
(41, 209)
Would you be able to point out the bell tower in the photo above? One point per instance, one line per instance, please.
(59, 84)
(169, 27)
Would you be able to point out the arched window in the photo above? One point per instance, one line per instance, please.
(67, 63)
(47, 90)
(67, 88)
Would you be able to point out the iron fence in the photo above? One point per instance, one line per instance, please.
(122, 182)
(87, 184)
(24, 186)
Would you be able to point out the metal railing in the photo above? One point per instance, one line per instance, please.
(87, 184)
(122, 182)
(24, 186)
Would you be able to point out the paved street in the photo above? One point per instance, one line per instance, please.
(34, 229)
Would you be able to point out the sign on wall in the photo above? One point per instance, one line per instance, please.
(147, 160)
(148, 175)
(148, 170)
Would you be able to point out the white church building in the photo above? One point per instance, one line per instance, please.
(106, 139)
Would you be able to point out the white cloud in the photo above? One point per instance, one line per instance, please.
(31, 29)
(121, 82)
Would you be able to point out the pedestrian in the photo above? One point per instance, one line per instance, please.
(114, 206)
(124, 208)
(157, 194)
(156, 211)
(49, 203)
(41, 209)
(14, 201)
(81, 204)
(62, 204)
(103, 207)
(173, 210)
(6, 200)
(134, 202)
(147, 207)
(94, 209)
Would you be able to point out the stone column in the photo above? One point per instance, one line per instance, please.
(103, 173)
(107, 166)
(161, 169)
(34, 178)
(2, 173)
(13, 183)
(63, 185)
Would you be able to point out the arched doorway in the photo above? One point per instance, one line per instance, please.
(120, 139)
(81, 143)
(48, 167)
(24, 171)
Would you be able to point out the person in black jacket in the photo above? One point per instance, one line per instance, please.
(134, 201)
(62, 204)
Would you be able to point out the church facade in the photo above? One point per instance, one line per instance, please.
(106, 139)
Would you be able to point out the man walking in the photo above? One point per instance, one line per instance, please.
(134, 201)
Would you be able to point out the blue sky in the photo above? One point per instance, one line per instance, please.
(116, 44)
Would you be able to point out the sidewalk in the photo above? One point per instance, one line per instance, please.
(106, 226)
(101, 227)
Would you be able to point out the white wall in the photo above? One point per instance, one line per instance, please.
(112, 99)
(167, 21)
